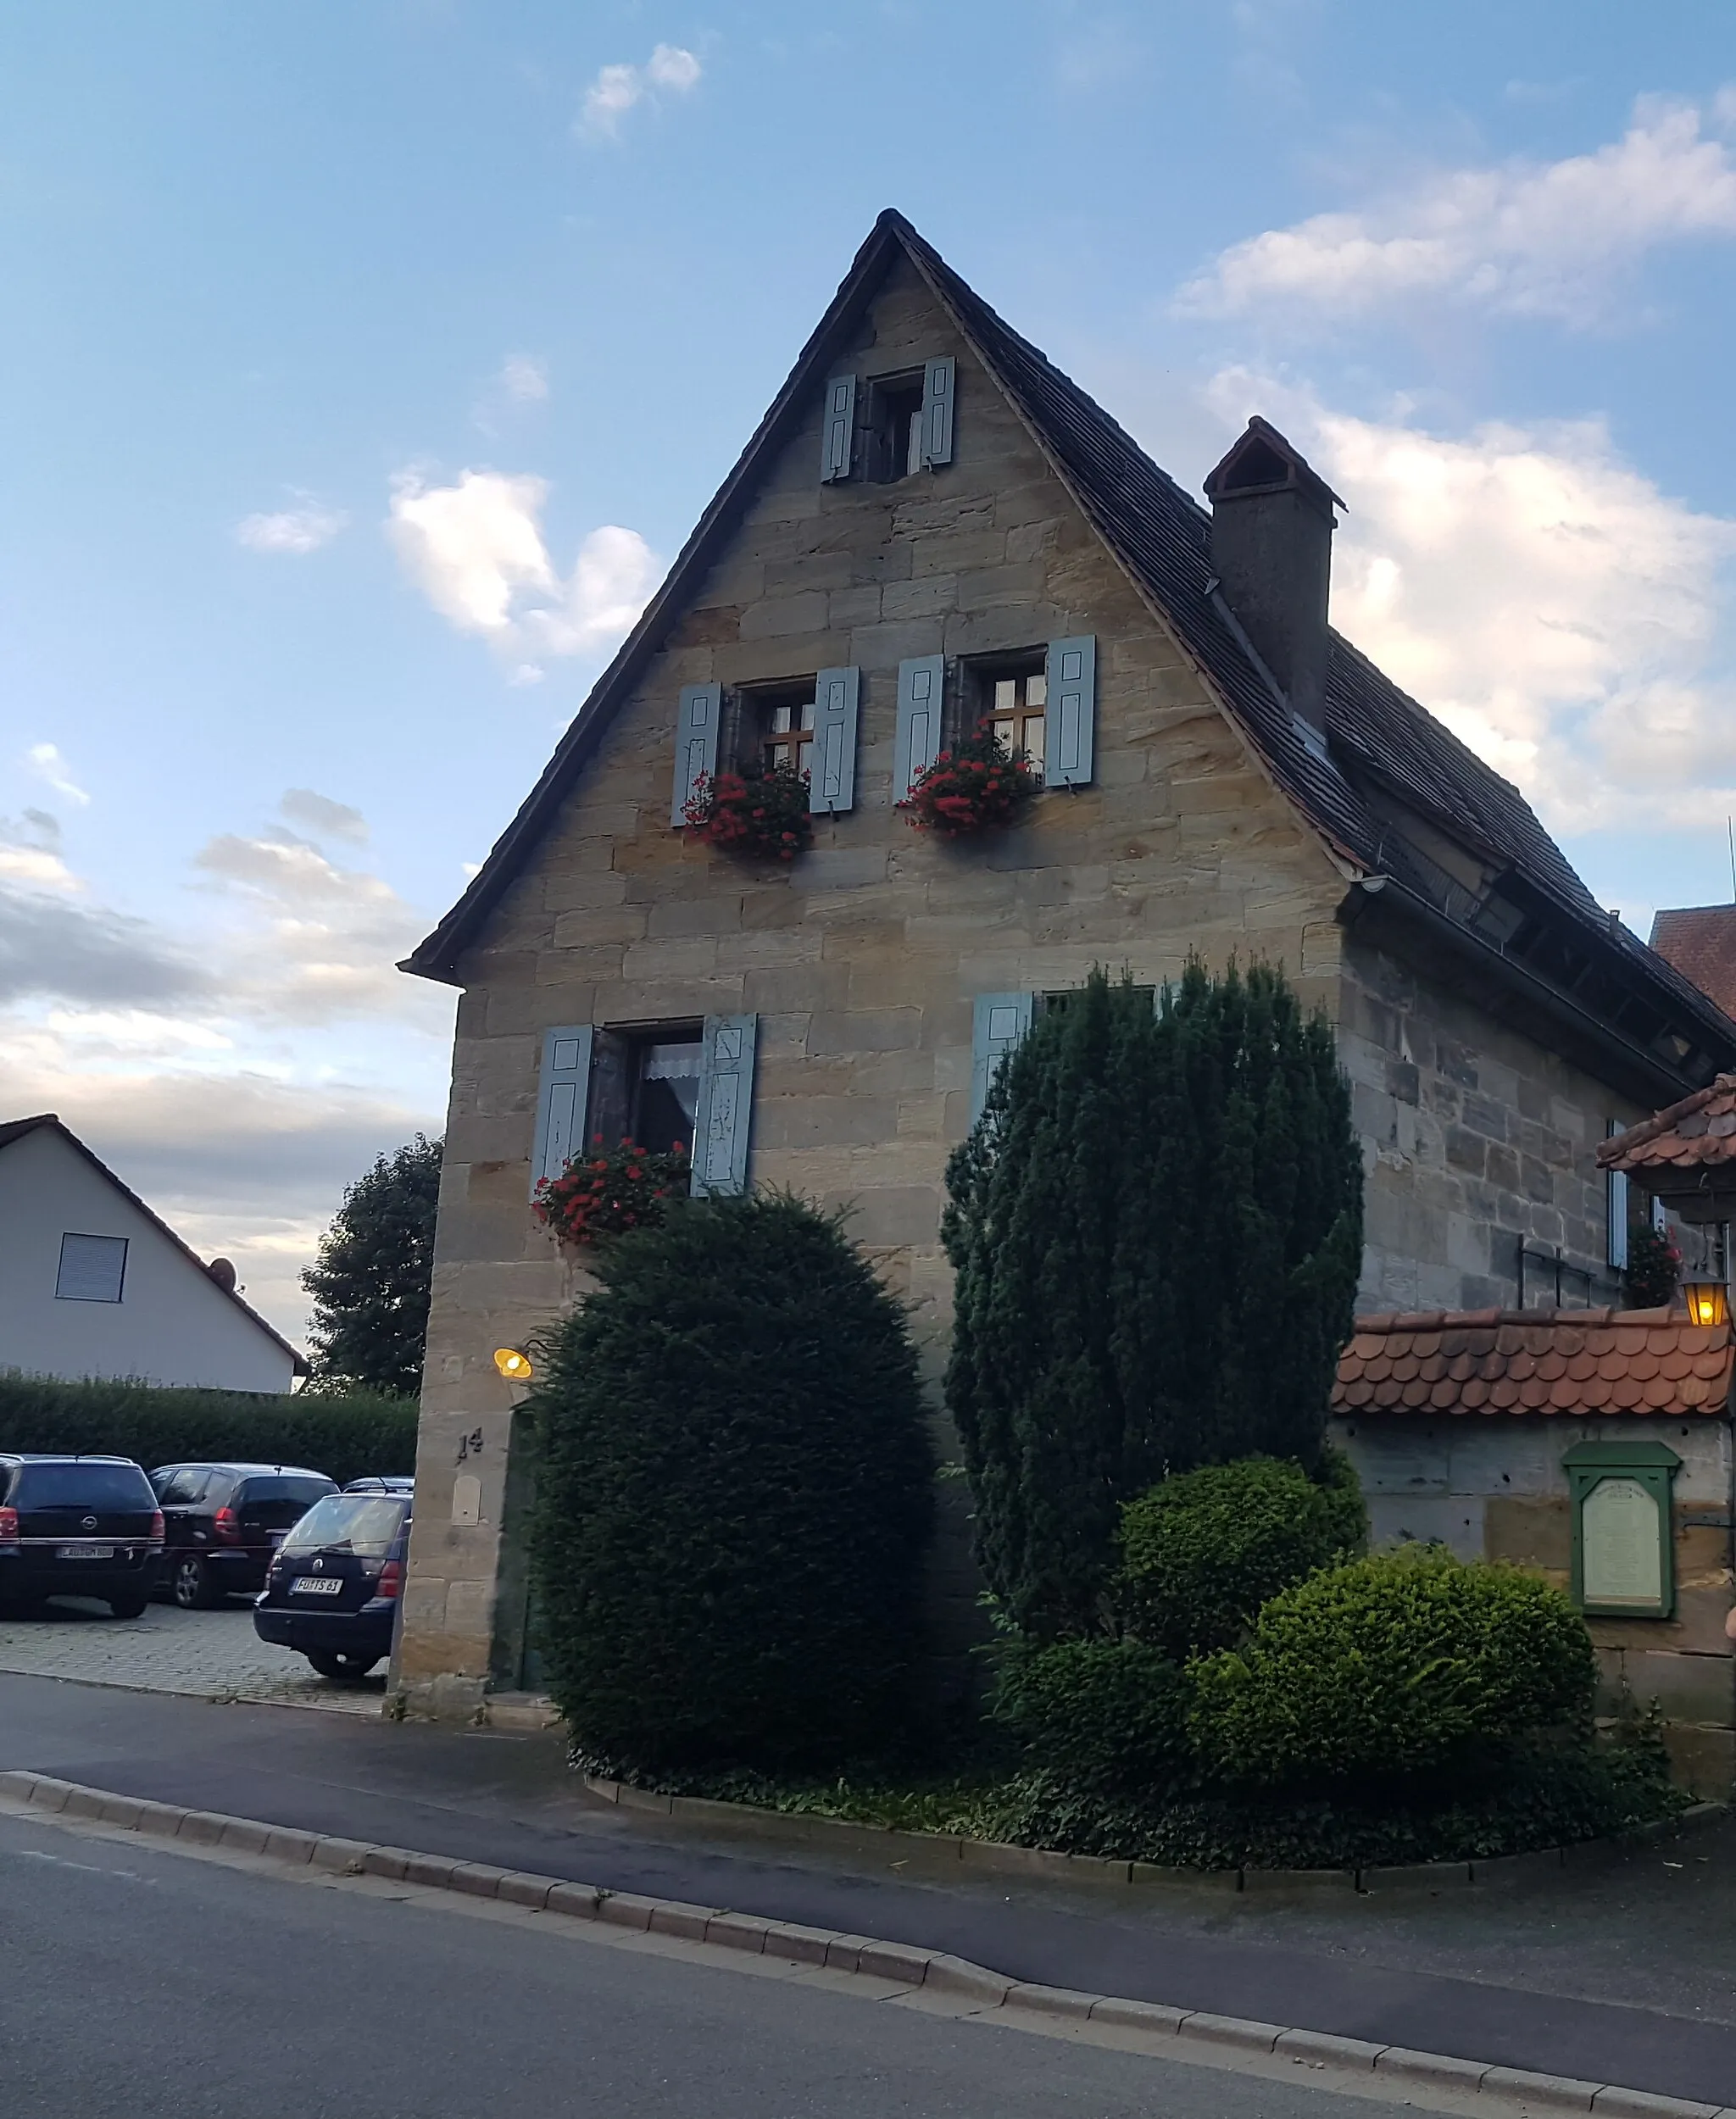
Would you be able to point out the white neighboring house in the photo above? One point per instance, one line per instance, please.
(93, 1284)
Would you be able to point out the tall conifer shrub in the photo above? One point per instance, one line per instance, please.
(1156, 1225)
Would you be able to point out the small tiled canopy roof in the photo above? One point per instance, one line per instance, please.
(1573, 1361)
(1700, 1129)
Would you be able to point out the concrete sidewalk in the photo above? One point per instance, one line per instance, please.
(1618, 1971)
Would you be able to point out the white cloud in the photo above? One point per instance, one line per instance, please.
(523, 379)
(475, 550)
(1529, 239)
(1546, 600)
(617, 89)
(298, 530)
(322, 817)
(44, 759)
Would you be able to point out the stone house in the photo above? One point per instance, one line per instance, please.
(931, 524)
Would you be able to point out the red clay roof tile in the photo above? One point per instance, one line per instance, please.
(1571, 1362)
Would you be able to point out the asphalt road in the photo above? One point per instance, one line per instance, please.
(1620, 1974)
(167, 1988)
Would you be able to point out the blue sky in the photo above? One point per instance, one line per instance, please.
(367, 360)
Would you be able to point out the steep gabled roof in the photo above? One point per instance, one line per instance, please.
(1378, 735)
(1700, 941)
(16, 1129)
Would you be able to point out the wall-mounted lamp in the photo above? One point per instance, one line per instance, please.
(513, 1364)
(1708, 1302)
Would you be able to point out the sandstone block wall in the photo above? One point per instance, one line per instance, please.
(1493, 1489)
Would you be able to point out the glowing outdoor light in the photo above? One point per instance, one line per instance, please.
(513, 1364)
(1708, 1302)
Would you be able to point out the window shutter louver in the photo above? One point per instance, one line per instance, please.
(939, 382)
(725, 1105)
(695, 743)
(1616, 1190)
(1000, 1020)
(1072, 713)
(837, 432)
(921, 687)
(562, 1091)
(92, 1269)
(831, 786)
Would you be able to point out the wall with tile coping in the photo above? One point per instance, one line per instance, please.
(1493, 1488)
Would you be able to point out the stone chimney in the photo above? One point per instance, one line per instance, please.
(1272, 551)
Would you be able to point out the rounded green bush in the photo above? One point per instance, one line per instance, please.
(733, 1497)
(1202, 1552)
(1391, 1666)
(1109, 1716)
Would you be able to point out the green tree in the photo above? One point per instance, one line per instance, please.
(372, 1282)
(733, 1495)
(1156, 1225)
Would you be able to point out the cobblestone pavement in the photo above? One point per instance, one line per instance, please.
(212, 1655)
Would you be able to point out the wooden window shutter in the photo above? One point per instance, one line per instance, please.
(1000, 1021)
(939, 383)
(725, 1105)
(921, 688)
(1616, 1199)
(831, 786)
(1070, 737)
(563, 1094)
(837, 432)
(695, 744)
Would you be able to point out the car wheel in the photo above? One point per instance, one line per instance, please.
(132, 1607)
(190, 1584)
(330, 1665)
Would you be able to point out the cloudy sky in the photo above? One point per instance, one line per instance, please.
(366, 360)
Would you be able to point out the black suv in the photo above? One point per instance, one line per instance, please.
(333, 1589)
(222, 1522)
(77, 1526)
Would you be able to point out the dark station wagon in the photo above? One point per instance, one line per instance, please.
(222, 1522)
(77, 1526)
(333, 1588)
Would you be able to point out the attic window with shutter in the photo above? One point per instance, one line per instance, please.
(777, 725)
(895, 427)
(93, 1268)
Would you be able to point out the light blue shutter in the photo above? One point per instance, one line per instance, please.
(695, 743)
(1070, 717)
(563, 1091)
(837, 430)
(939, 382)
(832, 784)
(1617, 1192)
(921, 686)
(1000, 1021)
(725, 1105)
(1659, 1216)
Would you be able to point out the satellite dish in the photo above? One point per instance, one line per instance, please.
(222, 1271)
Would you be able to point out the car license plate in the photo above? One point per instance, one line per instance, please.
(84, 1552)
(316, 1585)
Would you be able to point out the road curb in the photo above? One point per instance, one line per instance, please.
(903, 1966)
(994, 1858)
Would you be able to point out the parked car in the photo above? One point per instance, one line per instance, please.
(333, 1591)
(77, 1526)
(385, 1483)
(222, 1522)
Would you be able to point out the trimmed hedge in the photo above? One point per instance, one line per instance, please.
(733, 1496)
(1394, 1665)
(1109, 1717)
(1203, 1551)
(347, 1438)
